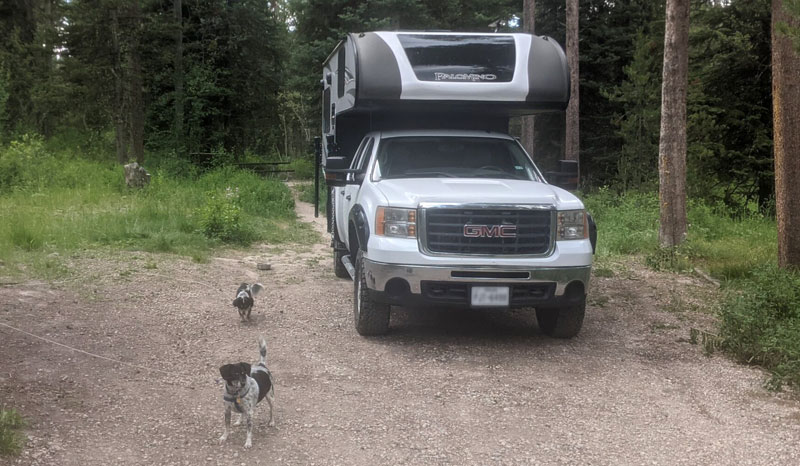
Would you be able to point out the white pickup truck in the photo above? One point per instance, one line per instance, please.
(461, 218)
(430, 201)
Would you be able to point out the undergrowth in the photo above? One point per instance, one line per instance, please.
(721, 244)
(760, 322)
(57, 203)
(306, 194)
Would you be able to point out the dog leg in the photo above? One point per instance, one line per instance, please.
(238, 422)
(271, 400)
(249, 309)
(227, 425)
(249, 442)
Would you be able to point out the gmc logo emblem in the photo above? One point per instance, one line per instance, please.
(494, 231)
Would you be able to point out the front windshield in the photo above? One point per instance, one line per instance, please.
(452, 157)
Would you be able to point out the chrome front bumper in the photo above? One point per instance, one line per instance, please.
(378, 274)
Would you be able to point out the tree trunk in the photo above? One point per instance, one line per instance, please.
(786, 129)
(178, 9)
(136, 98)
(120, 128)
(672, 145)
(527, 122)
(572, 143)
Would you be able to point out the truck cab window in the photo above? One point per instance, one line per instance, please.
(453, 157)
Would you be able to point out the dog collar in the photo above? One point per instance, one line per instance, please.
(237, 398)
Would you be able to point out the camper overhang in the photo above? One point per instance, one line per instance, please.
(503, 74)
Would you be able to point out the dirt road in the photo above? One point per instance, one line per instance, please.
(445, 387)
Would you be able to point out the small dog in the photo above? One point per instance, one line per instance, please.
(245, 386)
(244, 299)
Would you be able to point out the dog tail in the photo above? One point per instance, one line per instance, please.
(262, 348)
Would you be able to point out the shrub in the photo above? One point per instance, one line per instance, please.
(255, 195)
(26, 164)
(220, 217)
(760, 322)
(303, 168)
(17, 162)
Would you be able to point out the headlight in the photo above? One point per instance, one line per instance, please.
(572, 224)
(393, 221)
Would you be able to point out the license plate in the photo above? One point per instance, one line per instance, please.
(490, 296)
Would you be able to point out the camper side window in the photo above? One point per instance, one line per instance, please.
(326, 110)
(340, 74)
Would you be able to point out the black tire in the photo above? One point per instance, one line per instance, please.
(562, 322)
(371, 318)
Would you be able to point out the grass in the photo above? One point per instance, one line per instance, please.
(303, 168)
(57, 203)
(11, 436)
(760, 322)
(723, 246)
(306, 191)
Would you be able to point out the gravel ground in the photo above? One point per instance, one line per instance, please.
(445, 387)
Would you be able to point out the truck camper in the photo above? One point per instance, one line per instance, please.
(430, 200)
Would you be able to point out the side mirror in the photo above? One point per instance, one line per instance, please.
(567, 175)
(338, 177)
(336, 163)
(336, 170)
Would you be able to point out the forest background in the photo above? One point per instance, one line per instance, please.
(188, 87)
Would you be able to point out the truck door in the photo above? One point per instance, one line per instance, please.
(350, 195)
(340, 206)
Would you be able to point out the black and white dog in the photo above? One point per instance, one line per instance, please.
(244, 298)
(245, 386)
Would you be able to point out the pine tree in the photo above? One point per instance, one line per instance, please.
(672, 145)
(786, 111)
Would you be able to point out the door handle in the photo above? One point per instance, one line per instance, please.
(341, 192)
(347, 197)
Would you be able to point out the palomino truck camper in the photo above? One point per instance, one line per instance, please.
(430, 200)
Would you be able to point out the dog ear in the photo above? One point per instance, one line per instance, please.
(245, 368)
(224, 371)
(256, 288)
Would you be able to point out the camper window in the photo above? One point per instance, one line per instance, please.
(340, 78)
(459, 58)
(326, 110)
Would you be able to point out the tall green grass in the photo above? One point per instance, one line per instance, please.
(61, 203)
(306, 194)
(760, 322)
(11, 437)
(721, 244)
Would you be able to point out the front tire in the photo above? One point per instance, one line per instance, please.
(371, 317)
(562, 322)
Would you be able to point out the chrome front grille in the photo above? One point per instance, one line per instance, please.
(442, 230)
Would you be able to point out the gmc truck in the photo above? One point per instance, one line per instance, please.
(430, 201)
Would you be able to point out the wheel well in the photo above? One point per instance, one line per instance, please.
(352, 237)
